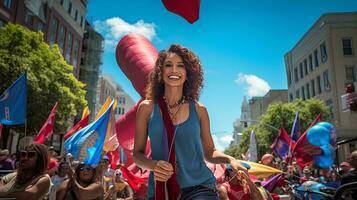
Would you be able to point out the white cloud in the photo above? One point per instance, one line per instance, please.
(217, 143)
(226, 138)
(113, 29)
(253, 85)
(221, 142)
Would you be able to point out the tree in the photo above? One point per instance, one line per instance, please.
(281, 115)
(50, 78)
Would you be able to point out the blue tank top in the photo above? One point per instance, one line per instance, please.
(191, 167)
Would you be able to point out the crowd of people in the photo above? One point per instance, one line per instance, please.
(39, 173)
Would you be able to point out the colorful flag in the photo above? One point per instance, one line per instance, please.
(188, 9)
(303, 150)
(111, 141)
(1, 126)
(260, 170)
(252, 150)
(86, 145)
(273, 182)
(104, 107)
(282, 144)
(81, 124)
(47, 129)
(13, 103)
(295, 131)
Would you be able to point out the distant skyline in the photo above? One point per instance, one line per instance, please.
(241, 44)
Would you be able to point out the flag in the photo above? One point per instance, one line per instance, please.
(111, 141)
(260, 170)
(13, 103)
(188, 9)
(81, 124)
(303, 150)
(282, 144)
(86, 145)
(104, 107)
(295, 131)
(273, 182)
(47, 129)
(1, 126)
(252, 150)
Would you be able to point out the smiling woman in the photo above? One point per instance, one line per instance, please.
(179, 130)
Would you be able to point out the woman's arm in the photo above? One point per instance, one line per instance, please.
(92, 191)
(210, 152)
(62, 190)
(162, 169)
(254, 191)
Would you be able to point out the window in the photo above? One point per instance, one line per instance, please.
(297, 94)
(7, 3)
(53, 31)
(296, 75)
(289, 77)
(75, 54)
(350, 74)
(327, 85)
(318, 79)
(291, 97)
(347, 46)
(40, 26)
(60, 39)
(123, 100)
(123, 110)
(305, 67)
(81, 22)
(2, 23)
(119, 100)
(316, 58)
(308, 90)
(323, 52)
(69, 47)
(62, 2)
(313, 88)
(303, 92)
(69, 7)
(329, 104)
(29, 17)
(301, 71)
(75, 15)
(310, 63)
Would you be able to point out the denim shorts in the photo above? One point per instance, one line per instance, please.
(199, 192)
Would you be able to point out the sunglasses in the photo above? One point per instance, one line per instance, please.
(82, 169)
(28, 154)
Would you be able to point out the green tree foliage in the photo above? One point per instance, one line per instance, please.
(50, 78)
(280, 115)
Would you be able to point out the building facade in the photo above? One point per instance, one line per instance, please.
(108, 87)
(91, 61)
(322, 63)
(61, 21)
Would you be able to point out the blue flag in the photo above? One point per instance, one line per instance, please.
(86, 145)
(13, 103)
(295, 131)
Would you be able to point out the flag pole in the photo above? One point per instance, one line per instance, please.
(25, 127)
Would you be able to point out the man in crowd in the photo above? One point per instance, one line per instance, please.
(5, 162)
(351, 176)
(63, 170)
(344, 168)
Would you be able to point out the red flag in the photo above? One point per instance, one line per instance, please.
(188, 9)
(1, 126)
(81, 124)
(303, 150)
(47, 128)
(282, 144)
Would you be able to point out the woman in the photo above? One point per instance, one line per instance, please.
(30, 181)
(84, 184)
(172, 112)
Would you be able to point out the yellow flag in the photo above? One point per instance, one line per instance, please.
(86, 112)
(111, 141)
(104, 108)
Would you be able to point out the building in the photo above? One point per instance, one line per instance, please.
(320, 65)
(252, 111)
(91, 61)
(108, 87)
(61, 21)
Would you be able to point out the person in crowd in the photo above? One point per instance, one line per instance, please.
(85, 183)
(108, 179)
(307, 175)
(5, 162)
(238, 187)
(63, 170)
(344, 168)
(30, 181)
(172, 104)
(123, 190)
(267, 159)
(351, 176)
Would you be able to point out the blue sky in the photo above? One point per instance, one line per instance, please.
(241, 44)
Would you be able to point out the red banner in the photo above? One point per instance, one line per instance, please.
(47, 129)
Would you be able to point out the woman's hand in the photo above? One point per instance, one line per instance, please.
(163, 171)
(237, 166)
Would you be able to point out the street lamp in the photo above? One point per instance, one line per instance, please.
(265, 124)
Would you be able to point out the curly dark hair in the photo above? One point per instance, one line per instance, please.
(192, 86)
